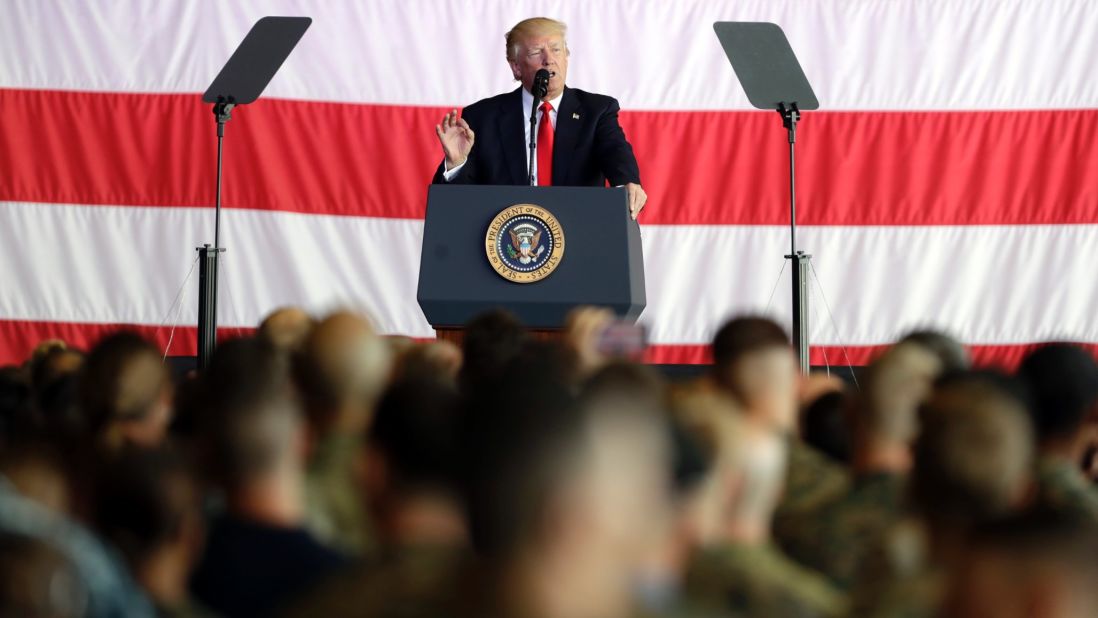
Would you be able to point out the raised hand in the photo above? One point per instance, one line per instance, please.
(456, 138)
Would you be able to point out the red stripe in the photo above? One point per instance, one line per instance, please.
(19, 338)
(699, 167)
(1005, 357)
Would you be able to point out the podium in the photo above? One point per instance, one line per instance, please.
(600, 263)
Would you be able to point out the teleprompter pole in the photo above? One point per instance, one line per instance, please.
(208, 256)
(801, 261)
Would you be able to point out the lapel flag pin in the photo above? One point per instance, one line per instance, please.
(575, 116)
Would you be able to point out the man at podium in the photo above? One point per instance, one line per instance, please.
(579, 140)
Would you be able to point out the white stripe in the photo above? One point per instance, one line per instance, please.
(125, 264)
(859, 54)
(991, 285)
(986, 284)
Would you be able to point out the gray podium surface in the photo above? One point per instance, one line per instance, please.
(602, 263)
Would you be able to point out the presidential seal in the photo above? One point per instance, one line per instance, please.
(524, 243)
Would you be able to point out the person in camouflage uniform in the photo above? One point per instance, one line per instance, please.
(341, 369)
(835, 536)
(972, 464)
(1061, 486)
(813, 482)
(754, 365)
(735, 568)
(411, 493)
(1063, 384)
(757, 580)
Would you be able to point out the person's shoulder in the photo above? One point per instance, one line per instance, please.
(808, 587)
(1062, 487)
(763, 581)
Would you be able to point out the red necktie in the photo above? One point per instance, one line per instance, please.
(545, 146)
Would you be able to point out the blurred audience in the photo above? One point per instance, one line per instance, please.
(565, 496)
(149, 507)
(735, 566)
(409, 474)
(253, 442)
(286, 328)
(972, 465)
(126, 393)
(492, 341)
(37, 581)
(882, 423)
(754, 364)
(433, 360)
(1035, 565)
(952, 356)
(1063, 388)
(320, 469)
(342, 368)
(824, 426)
(18, 412)
(44, 545)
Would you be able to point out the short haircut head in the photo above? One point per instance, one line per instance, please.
(534, 26)
(637, 384)
(342, 362)
(952, 355)
(435, 360)
(54, 364)
(286, 327)
(754, 362)
(1063, 386)
(973, 458)
(122, 380)
(416, 431)
(492, 341)
(896, 384)
(1037, 559)
(249, 412)
(746, 335)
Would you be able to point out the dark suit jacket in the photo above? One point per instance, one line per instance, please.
(587, 151)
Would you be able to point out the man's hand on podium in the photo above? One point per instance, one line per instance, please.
(456, 138)
(637, 198)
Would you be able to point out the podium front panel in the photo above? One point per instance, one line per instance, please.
(602, 262)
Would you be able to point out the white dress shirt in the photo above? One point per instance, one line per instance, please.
(527, 103)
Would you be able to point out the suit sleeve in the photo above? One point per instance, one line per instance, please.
(464, 176)
(614, 153)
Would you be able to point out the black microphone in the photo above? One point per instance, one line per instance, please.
(541, 84)
(539, 89)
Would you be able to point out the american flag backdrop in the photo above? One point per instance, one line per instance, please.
(950, 178)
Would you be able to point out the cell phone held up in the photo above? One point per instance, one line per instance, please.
(622, 339)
